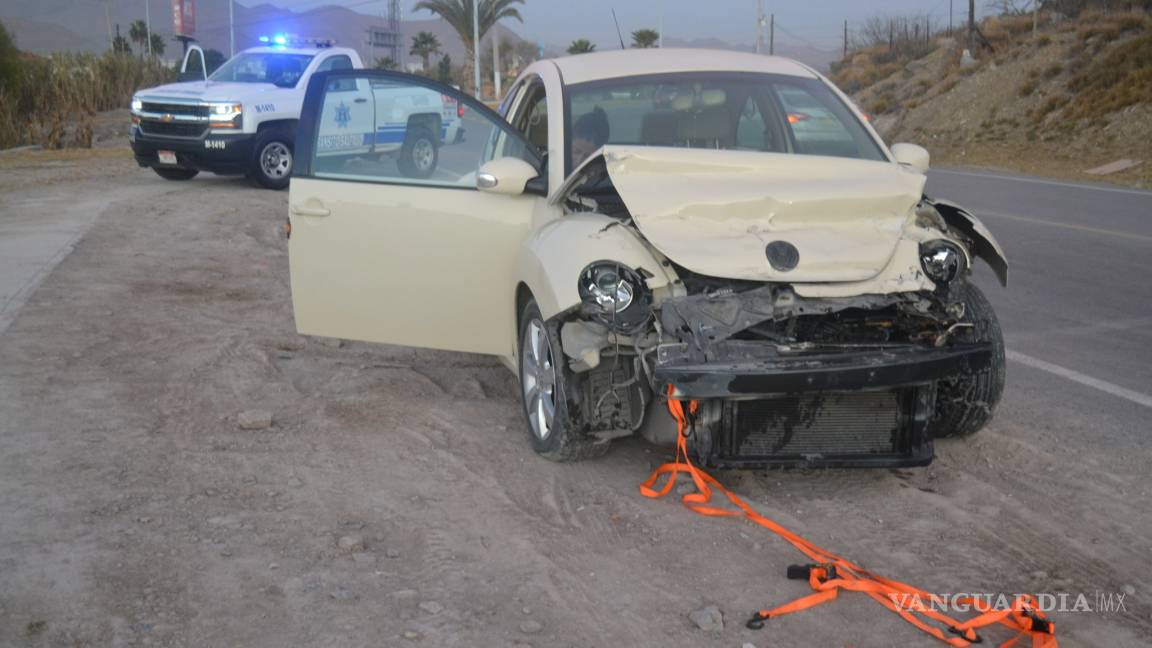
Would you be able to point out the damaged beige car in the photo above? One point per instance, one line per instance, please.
(718, 226)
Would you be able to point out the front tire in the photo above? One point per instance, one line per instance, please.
(419, 155)
(272, 161)
(546, 388)
(172, 173)
(966, 403)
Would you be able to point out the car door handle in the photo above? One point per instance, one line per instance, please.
(301, 210)
(361, 100)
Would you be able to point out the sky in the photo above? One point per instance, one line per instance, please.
(816, 23)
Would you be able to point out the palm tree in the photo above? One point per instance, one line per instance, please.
(644, 38)
(386, 63)
(138, 33)
(157, 42)
(458, 14)
(424, 45)
(581, 46)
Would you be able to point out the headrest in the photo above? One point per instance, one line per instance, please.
(713, 97)
(682, 102)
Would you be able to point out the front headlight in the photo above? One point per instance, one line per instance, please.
(137, 105)
(615, 295)
(226, 109)
(225, 116)
(943, 261)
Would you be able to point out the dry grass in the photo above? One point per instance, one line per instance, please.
(53, 102)
(1120, 78)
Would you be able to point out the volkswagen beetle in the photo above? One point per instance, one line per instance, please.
(639, 225)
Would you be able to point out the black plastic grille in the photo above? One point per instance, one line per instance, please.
(829, 424)
(175, 109)
(173, 129)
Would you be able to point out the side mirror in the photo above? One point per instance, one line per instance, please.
(507, 175)
(911, 155)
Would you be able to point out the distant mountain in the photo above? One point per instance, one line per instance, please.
(45, 26)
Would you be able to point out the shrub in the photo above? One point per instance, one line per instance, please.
(49, 92)
(1120, 78)
(1053, 70)
(1027, 88)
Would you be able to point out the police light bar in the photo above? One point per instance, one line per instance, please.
(283, 40)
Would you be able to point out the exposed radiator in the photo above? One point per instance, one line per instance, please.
(824, 428)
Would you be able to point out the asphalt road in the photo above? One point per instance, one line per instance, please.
(1077, 312)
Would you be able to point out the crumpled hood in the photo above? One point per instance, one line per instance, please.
(715, 212)
(207, 90)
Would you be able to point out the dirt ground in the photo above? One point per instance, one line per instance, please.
(395, 500)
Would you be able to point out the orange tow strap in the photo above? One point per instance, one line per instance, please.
(832, 573)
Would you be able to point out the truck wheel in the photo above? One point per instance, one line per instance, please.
(966, 403)
(170, 173)
(272, 160)
(419, 154)
(545, 384)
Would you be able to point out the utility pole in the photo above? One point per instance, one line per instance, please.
(232, 31)
(148, 26)
(845, 39)
(759, 25)
(1035, 7)
(495, 63)
(476, 45)
(771, 34)
(660, 26)
(108, 18)
(972, 27)
(949, 17)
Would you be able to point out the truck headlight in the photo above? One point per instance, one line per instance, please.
(615, 295)
(943, 261)
(137, 105)
(225, 116)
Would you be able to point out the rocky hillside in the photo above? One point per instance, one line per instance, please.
(1077, 96)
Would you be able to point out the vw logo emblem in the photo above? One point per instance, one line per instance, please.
(782, 255)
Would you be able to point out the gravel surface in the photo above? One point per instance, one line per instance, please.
(394, 499)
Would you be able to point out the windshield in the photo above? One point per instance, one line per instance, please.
(717, 110)
(281, 69)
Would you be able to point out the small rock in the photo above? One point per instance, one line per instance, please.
(364, 558)
(1130, 590)
(708, 619)
(412, 635)
(273, 566)
(431, 607)
(392, 553)
(748, 645)
(295, 482)
(405, 594)
(684, 489)
(526, 610)
(1039, 574)
(350, 543)
(254, 420)
(531, 627)
(335, 343)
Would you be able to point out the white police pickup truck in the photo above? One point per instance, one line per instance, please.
(242, 119)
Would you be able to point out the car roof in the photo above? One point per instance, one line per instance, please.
(595, 66)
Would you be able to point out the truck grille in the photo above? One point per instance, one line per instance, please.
(172, 129)
(832, 428)
(175, 109)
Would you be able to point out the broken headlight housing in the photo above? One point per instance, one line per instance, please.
(943, 261)
(615, 295)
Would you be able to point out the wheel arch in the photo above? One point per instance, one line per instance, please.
(288, 125)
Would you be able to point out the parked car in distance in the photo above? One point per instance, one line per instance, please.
(649, 224)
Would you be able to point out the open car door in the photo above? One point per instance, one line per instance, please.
(195, 66)
(391, 240)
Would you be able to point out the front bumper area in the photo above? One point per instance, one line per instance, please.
(848, 408)
(745, 369)
(225, 154)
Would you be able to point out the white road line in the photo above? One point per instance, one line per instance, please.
(1076, 376)
(1071, 185)
(1071, 226)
